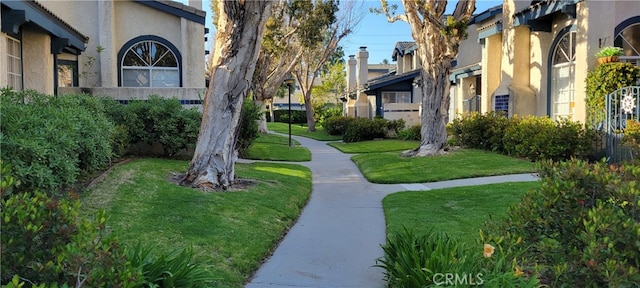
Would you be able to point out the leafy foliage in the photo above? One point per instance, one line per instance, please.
(337, 125)
(248, 126)
(51, 141)
(581, 227)
(323, 111)
(157, 120)
(529, 137)
(411, 133)
(632, 138)
(605, 79)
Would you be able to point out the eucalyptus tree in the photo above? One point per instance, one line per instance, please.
(323, 47)
(240, 26)
(438, 38)
(293, 23)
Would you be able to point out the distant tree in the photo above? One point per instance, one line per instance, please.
(316, 55)
(333, 83)
(293, 24)
(240, 25)
(438, 38)
(385, 61)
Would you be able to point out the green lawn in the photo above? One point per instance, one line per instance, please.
(231, 232)
(275, 147)
(375, 146)
(296, 129)
(391, 168)
(459, 212)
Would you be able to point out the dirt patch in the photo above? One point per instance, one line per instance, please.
(238, 185)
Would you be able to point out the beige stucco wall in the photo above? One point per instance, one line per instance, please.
(470, 51)
(37, 61)
(410, 118)
(491, 69)
(111, 24)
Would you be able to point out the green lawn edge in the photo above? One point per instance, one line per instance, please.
(375, 146)
(274, 147)
(230, 232)
(299, 130)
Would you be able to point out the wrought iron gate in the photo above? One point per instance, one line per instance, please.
(621, 105)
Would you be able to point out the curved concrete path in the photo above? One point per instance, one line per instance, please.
(337, 238)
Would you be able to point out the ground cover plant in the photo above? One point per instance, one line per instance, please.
(230, 232)
(375, 146)
(466, 163)
(276, 147)
(320, 134)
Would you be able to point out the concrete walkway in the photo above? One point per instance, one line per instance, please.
(337, 238)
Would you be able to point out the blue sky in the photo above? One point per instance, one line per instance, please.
(374, 31)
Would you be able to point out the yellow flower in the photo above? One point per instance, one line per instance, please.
(518, 272)
(488, 250)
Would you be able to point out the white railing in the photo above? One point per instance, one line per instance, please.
(635, 60)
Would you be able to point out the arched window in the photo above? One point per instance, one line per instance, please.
(628, 37)
(562, 71)
(149, 61)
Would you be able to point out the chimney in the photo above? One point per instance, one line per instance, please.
(196, 4)
(363, 66)
(351, 73)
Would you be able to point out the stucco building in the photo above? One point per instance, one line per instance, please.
(522, 58)
(125, 48)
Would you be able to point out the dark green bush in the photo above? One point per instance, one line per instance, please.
(479, 131)
(248, 126)
(297, 116)
(337, 125)
(157, 120)
(411, 133)
(581, 227)
(362, 129)
(605, 79)
(542, 138)
(51, 141)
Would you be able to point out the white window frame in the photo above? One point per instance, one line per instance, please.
(151, 68)
(395, 96)
(569, 102)
(14, 78)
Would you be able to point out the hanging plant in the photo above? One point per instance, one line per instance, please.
(609, 54)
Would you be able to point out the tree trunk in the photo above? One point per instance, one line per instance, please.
(240, 27)
(435, 110)
(311, 123)
(262, 122)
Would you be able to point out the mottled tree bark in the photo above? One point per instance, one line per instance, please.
(239, 33)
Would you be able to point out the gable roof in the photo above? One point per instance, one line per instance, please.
(387, 80)
(177, 9)
(23, 12)
(402, 48)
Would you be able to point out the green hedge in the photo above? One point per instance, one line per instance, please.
(355, 129)
(297, 116)
(156, 120)
(529, 137)
(52, 141)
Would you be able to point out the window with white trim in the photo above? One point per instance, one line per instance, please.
(150, 63)
(14, 64)
(396, 97)
(563, 77)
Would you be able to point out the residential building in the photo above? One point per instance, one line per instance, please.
(126, 49)
(521, 58)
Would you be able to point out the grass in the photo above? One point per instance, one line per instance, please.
(230, 232)
(375, 146)
(276, 148)
(460, 212)
(296, 129)
(391, 168)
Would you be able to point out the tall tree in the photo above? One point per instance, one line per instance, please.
(438, 39)
(240, 25)
(316, 54)
(332, 85)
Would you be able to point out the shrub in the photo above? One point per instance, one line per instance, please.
(337, 125)
(362, 129)
(411, 133)
(602, 80)
(581, 226)
(52, 141)
(542, 138)
(157, 120)
(324, 111)
(248, 126)
(297, 116)
(45, 241)
(631, 138)
(479, 131)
